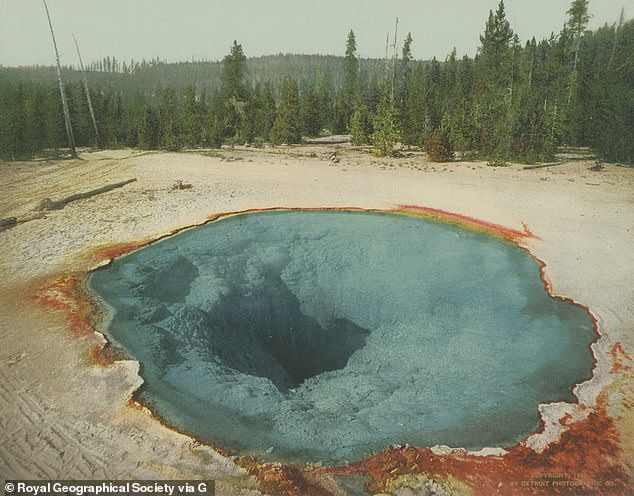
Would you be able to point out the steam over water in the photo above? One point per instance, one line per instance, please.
(328, 335)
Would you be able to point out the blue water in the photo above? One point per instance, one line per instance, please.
(330, 335)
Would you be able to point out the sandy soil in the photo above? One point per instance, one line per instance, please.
(62, 416)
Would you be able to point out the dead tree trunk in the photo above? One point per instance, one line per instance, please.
(92, 112)
(8, 223)
(48, 204)
(394, 57)
(69, 127)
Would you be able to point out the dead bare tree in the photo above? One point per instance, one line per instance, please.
(69, 127)
(394, 57)
(92, 112)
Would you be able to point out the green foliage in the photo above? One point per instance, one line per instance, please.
(259, 115)
(351, 67)
(137, 123)
(215, 122)
(414, 116)
(438, 147)
(339, 115)
(386, 133)
(360, 125)
(233, 74)
(169, 124)
(495, 43)
(191, 119)
(404, 69)
(286, 128)
(460, 128)
(609, 104)
(234, 95)
(311, 114)
(512, 102)
(578, 16)
(351, 80)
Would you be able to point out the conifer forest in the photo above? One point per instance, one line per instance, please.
(515, 100)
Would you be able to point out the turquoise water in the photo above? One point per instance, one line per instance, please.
(330, 335)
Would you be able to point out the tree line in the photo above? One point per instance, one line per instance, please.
(512, 101)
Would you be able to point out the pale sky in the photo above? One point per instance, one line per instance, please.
(205, 29)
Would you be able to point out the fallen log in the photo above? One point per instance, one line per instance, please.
(48, 204)
(542, 166)
(8, 223)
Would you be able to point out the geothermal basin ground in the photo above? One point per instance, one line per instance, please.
(67, 415)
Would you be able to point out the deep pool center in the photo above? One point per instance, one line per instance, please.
(330, 335)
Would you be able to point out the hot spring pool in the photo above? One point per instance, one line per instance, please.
(330, 335)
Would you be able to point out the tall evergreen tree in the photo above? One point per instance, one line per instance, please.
(324, 94)
(311, 122)
(169, 125)
(360, 125)
(435, 106)
(351, 63)
(234, 65)
(13, 127)
(578, 20)
(36, 118)
(495, 70)
(191, 119)
(404, 69)
(287, 127)
(234, 93)
(609, 108)
(137, 119)
(414, 115)
(216, 121)
(339, 116)
(386, 133)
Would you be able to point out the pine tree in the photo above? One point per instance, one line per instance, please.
(55, 133)
(325, 100)
(351, 64)
(609, 65)
(339, 114)
(135, 122)
(311, 123)
(202, 105)
(360, 125)
(191, 119)
(83, 130)
(215, 121)
(438, 147)
(495, 68)
(286, 128)
(36, 117)
(233, 74)
(414, 116)
(404, 69)
(234, 93)
(461, 129)
(109, 112)
(578, 21)
(451, 93)
(169, 129)
(386, 133)
(495, 43)
(13, 126)
(250, 125)
(434, 103)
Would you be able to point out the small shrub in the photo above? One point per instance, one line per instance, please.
(437, 147)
